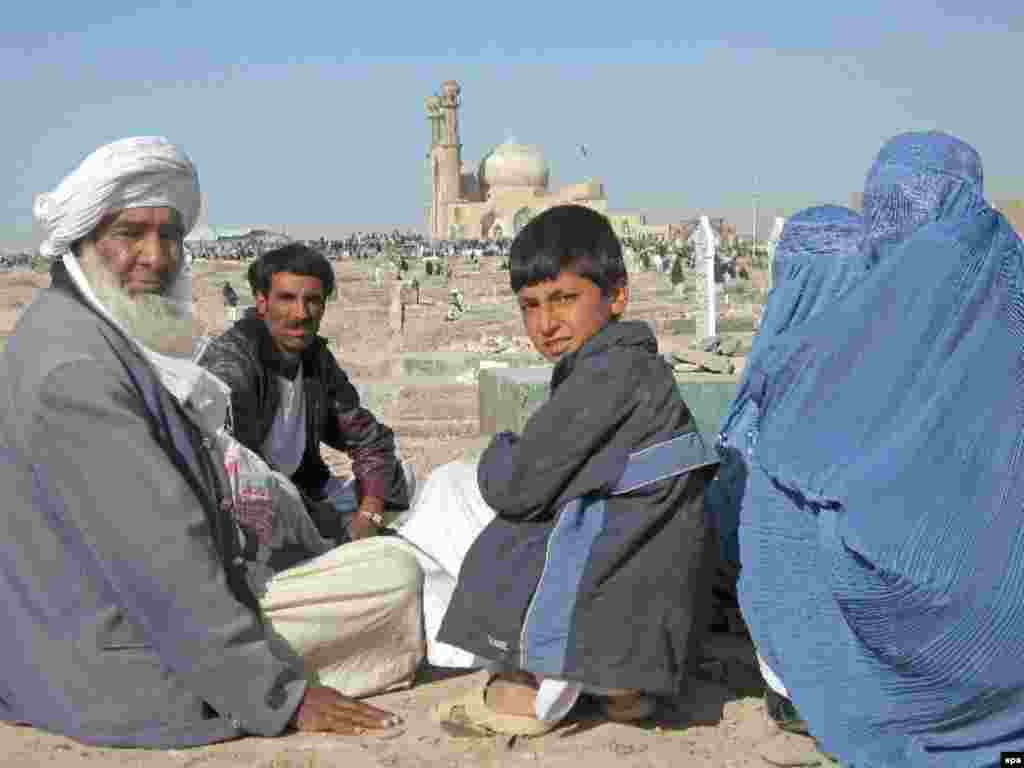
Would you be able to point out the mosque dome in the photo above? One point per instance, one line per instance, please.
(514, 165)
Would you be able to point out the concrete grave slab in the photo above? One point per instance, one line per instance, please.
(509, 396)
(454, 364)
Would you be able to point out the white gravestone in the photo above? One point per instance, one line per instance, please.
(629, 259)
(705, 245)
(773, 241)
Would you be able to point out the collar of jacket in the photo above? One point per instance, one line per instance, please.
(253, 327)
(616, 333)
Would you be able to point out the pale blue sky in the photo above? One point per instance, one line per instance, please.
(309, 115)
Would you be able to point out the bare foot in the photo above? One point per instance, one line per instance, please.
(513, 693)
(624, 706)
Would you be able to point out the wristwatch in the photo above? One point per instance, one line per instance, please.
(374, 517)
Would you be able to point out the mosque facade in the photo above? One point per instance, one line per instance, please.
(508, 188)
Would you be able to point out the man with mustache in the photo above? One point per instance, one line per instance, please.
(288, 395)
(123, 577)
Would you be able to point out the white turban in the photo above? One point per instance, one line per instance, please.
(140, 172)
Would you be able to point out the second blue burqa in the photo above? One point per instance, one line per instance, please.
(882, 537)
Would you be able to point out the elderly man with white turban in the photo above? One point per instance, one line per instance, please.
(132, 610)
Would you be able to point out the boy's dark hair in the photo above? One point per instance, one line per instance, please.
(569, 237)
(295, 258)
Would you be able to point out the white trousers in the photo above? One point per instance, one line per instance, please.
(351, 617)
(448, 515)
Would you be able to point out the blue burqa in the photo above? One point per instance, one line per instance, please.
(814, 264)
(881, 536)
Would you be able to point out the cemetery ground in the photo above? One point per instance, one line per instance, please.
(421, 381)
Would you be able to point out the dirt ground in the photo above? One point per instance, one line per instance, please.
(719, 719)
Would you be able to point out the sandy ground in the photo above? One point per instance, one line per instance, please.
(718, 721)
(710, 726)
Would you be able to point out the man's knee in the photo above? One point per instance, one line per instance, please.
(403, 571)
(407, 570)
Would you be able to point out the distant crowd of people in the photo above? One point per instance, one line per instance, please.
(240, 249)
(14, 260)
(357, 246)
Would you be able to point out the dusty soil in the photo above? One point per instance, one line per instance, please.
(718, 721)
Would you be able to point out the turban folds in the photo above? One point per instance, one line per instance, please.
(138, 172)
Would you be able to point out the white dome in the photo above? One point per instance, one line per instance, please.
(514, 165)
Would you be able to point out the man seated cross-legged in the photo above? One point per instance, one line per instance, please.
(125, 577)
(289, 395)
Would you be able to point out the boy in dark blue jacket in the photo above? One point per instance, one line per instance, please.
(586, 579)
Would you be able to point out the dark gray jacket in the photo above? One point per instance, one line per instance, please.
(630, 573)
(127, 621)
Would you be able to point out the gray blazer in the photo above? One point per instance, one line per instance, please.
(127, 620)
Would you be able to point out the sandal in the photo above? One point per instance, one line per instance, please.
(471, 713)
(628, 707)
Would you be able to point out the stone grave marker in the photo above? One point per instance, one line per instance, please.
(773, 241)
(705, 245)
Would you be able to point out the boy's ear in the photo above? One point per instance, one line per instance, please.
(619, 299)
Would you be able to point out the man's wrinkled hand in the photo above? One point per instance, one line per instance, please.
(323, 709)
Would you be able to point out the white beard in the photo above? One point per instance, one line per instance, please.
(153, 320)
